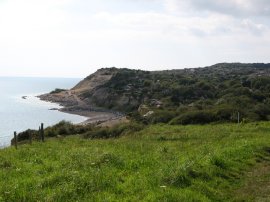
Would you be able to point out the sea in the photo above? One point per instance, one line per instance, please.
(19, 114)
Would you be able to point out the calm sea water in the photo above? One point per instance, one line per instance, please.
(17, 114)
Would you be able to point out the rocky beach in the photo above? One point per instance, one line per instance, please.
(72, 104)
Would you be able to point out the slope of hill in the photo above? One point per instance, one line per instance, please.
(199, 95)
(215, 162)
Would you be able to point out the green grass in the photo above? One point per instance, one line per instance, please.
(159, 163)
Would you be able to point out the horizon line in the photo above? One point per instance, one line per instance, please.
(41, 77)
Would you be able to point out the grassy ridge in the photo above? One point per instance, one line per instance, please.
(159, 163)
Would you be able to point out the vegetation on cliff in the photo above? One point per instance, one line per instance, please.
(188, 96)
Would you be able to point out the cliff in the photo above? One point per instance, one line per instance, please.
(227, 86)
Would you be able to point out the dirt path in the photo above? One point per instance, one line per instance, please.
(257, 183)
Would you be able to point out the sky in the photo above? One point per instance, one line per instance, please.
(74, 38)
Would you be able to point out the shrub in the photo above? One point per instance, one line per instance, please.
(23, 136)
(57, 90)
(262, 110)
(66, 128)
(194, 117)
(61, 128)
(161, 117)
(50, 132)
(224, 113)
(113, 132)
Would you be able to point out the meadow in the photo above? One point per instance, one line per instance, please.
(214, 162)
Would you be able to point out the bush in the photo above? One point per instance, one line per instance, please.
(23, 136)
(224, 113)
(116, 131)
(57, 90)
(50, 132)
(194, 117)
(99, 133)
(161, 117)
(66, 128)
(262, 110)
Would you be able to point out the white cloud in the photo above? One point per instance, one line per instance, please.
(68, 36)
(179, 26)
(230, 7)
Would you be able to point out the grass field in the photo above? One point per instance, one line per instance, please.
(225, 162)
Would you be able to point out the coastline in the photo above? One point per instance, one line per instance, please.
(98, 118)
(71, 104)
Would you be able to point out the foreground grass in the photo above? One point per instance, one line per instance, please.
(160, 163)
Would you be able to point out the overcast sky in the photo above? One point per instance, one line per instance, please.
(73, 38)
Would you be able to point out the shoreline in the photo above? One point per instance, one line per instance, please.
(95, 117)
(70, 104)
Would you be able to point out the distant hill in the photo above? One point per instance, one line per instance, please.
(198, 95)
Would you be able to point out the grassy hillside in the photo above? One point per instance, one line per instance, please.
(159, 163)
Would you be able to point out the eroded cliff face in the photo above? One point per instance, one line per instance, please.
(95, 92)
(106, 89)
(95, 80)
